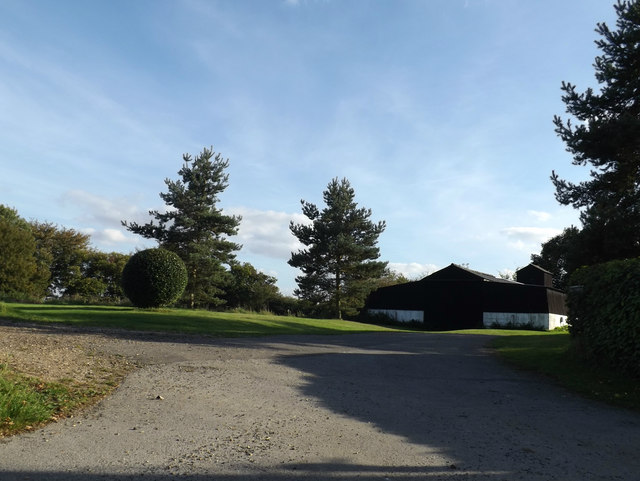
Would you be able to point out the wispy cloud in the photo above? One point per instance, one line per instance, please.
(97, 210)
(529, 238)
(266, 232)
(75, 122)
(539, 215)
(261, 232)
(115, 239)
(412, 270)
(100, 217)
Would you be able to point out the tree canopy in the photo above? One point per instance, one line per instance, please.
(21, 276)
(561, 255)
(251, 289)
(64, 252)
(195, 228)
(339, 262)
(604, 133)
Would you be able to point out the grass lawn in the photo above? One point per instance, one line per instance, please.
(551, 354)
(218, 324)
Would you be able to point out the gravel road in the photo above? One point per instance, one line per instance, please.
(368, 406)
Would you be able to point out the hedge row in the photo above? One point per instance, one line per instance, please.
(604, 312)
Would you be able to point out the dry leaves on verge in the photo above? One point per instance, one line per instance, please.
(59, 354)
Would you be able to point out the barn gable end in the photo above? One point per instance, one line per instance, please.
(536, 275)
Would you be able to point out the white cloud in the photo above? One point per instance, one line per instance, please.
(507, 274)
(266, 232)
(100, 218)
(95, 209)
(114, 236)
(539, 215)
(412, 270)
(528, 238)
(106, 239)
(261, 232)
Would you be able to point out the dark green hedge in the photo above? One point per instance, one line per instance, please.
(604, 312)
(154, 278)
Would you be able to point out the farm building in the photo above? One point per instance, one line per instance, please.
(459, 298)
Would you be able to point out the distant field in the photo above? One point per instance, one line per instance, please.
(218, 324)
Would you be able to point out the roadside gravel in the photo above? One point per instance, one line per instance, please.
(367, 406)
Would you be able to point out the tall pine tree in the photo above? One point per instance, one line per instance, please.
(606, 137)
(195, 228)
(339, 264)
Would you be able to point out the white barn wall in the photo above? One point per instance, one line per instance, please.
(540, 320)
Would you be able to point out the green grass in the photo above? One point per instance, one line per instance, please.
(553, 355)
(218, 324)
(27, 402)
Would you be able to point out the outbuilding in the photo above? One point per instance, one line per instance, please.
(460, 298)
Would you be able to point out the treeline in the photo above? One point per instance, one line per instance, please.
(339, 265)
(40, 261)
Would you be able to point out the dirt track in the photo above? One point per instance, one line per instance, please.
(371, 406)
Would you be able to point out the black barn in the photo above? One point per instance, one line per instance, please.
(459, 298)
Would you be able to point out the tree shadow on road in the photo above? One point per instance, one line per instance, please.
(331, 470)
(448, 393)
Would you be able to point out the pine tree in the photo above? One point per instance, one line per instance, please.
(607, 137)
(195, 228)
(338, 265)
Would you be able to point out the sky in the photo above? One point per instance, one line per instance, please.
(438, 112)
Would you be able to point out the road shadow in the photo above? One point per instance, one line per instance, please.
(329, 471)
(448, 392)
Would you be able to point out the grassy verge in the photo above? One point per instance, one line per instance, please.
(552, 355)
(219, 324)
(27, 402)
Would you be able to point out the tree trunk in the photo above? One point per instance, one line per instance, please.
(192, 303)
(338, 300)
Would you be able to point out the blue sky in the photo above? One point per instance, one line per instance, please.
(439, 112)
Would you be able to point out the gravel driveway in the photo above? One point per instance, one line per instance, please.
(367, 406)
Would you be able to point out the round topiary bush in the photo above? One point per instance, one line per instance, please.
(154, 278)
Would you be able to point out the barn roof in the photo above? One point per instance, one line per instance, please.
(454, 272)
(534, 267)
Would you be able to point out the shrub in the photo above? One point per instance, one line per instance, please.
(604, 312)
(285, 306)
(154, 278)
